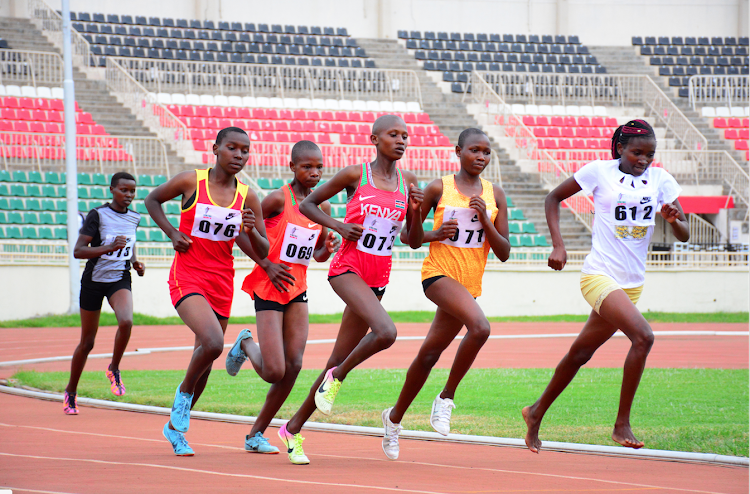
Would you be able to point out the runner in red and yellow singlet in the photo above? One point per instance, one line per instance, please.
(381, 196)
(217, 210)
(278, 284)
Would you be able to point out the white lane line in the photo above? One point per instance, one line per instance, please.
(220, 474)
(146, 351)
(14, 490)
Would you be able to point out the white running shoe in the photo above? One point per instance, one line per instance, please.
(390, 438)
(440, 417)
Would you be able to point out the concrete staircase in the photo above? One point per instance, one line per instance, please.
(449, 113)
(91, 94)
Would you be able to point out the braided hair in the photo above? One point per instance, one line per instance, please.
(634, 128)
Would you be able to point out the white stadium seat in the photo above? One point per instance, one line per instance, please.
(600, 111)
(558, 110)
(164, 98)
(262, 102)
(234, 101)
(178, 99)
(386, 106)
(28, 91)
(518, 109)
(332, 104)
(221, 100)
(721, 111)
(304, 103)
(318, 104)
(13, 91)
(43, 92)
(57, 93)
(346, 105)
(192, 99)
(291, 103)
(737, 111)
(587, 111)
(358, 105)
(249, 102)
(276, 102)
(545, 110)
(399, 106)
(531, 110)
(371, 105)
(413, 106)
(708, 111)
(207, 100)
(573, 111)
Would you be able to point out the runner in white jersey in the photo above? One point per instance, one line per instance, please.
(628, 195)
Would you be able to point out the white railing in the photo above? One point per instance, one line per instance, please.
(50, 23)
(596, 89)
(96, 153)
(161, 254)
(30, 68)
(551, 171)
(723, 90)
(141, 102)
(179, 76)
(702, 232)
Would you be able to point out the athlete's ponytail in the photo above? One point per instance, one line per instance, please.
(634, 128)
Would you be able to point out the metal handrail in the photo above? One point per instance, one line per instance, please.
(152, 113)
(30, 68)
(50, 23)
(106, 153)
(701, 231)
(731, 90)
(247, 79)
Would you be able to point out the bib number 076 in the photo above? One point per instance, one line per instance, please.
(205, 226)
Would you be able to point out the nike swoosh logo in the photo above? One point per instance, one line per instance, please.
(320, 389)
(289, 450)
(230, 215)
(311, 225)
(304, 299)
(362, 198)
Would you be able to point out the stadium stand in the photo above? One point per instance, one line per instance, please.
(206, 41)
(456, 54)
(678, 58)
(733, 125)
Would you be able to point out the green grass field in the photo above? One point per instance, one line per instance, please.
(108, 319)
(697, 410)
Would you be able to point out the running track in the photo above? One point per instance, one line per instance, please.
(41, 450)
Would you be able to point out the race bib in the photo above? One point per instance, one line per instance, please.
(123, 254)
(633, 214)
(216, 223)
(470, 234)
(299, 244)
(378, 236)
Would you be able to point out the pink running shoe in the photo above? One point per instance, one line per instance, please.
(116, 385)
(70, 407)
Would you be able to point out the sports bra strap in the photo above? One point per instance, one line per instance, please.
(365, 174)
(401, 186)
(291, 194)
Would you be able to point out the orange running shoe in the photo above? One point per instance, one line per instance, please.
(116, 385)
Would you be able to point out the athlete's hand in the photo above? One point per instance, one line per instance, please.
(119, 242)
(248, 220)
(447, 230)
(477, 204)
(416, 197)
(558, 258)
(279, 275)
(350, 231)
(670, 213)
(139, 267)
(180, 241)
(332, 242)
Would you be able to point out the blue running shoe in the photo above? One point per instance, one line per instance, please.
(180, 415)
(236, 357)
(259, 444)
(178, 441)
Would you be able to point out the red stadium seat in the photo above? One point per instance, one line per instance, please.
(557, 121)
(579, 144)
(424, 118)
(10, 102)
(584, 122)
(597, 122)
(327, 115)
(232, 113)
(568, 132)
(443, 141)
(553, 131)
(201, 111)
(582, 132)
(570, 121)
(741, 145)
(744, 133)
(731, 134)
(542, 121)
(37, 127)
(540, 131)
(410, 118)
(286, 115)
(245, 113)
(734, 123)
(610, 122)
(259, 113)
(341, 116)
(529, 120)
(27, 103)
(322, 126)
(346, 139)
(337, 128)
(564, 144)
(56, 104)
(281, 126)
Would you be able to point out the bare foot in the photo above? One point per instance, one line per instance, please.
(532, 434)
(623, 434)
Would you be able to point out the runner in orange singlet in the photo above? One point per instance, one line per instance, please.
(217, 210)
(278, 284)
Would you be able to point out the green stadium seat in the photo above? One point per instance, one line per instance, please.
(61, 218)
(4, 190)
(541, 241)
(157, 236)
(13, 232)
(516, 214)
(49, 191)
(339, 198)
(529, 228)
(4, 204)
(83, 193)
(5, 176)
(527, 241)
(18, 190)
(17, 204)
(35, 177)
(514, 241)
(509, 202)
(423, 184)
(100, 179)
(146, 222)
(428, 225)
(338, 211)
(46, 219)
(514, 227)
(31, 218)
(53, 178)
(2, 233)
(33, 191)
(431, 214)
(84, 179)
(174, 221)
(159, 179)
(20, 176)
(61, 205)
(3, 218)
(141, 193)
(140, 208)
(29, 233)
(83, 206)
(145, 181)
(173, 207)
(15, 218)
(265, 183)
(33, 205)
(278, 183)
(97, 193)
(141, 236)
(61, 233)
(46, 233)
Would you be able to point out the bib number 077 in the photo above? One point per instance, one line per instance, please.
(370, 240)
